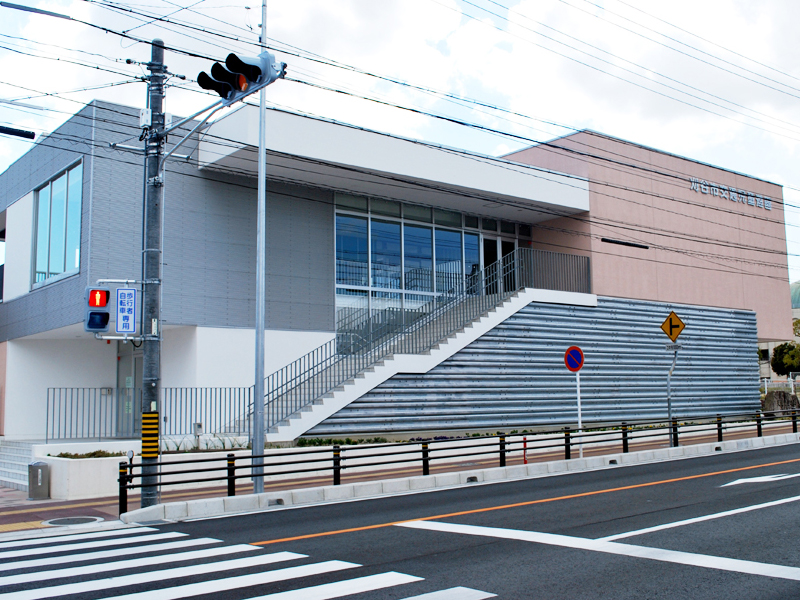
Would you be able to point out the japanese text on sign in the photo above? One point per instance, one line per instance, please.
(126, 310)
(723, 191)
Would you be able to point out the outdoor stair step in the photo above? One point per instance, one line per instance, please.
(12, 484)
(18, 466)
(14, 475)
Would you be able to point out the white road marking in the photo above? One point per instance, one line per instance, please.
(718, 515)
(70, 558)
(762, 479)
(564, 541)
(222, 585)
(56, 539)
(88, 545)
(125, 564)
(151, 576)
(456, 593)
(344, 588)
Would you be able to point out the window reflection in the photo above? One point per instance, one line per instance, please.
(418, 258)
(386, 258)
(352, 254)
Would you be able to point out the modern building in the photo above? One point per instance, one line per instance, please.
(411, 287)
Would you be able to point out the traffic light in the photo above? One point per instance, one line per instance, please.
(97, 309)
(241, 76)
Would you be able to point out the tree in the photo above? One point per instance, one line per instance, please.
(786, 358)
(796, 327)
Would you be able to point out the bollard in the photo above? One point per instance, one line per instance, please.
(675, 433)
(624, 438)
(525, 450)
(231, 475)
(502, 450)
(337, 466)
(794, 421)
(759, 432)
(719, 428)
(123, 487)
(426, 461)
(567, 444)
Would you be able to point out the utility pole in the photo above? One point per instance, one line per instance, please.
(261, 278)
(151, 301)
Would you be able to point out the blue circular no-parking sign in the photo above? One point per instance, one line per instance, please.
(573, 358)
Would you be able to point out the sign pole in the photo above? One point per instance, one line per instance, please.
(580, 417)
(669, 398)
(672, 326)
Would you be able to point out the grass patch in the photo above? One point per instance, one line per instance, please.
(93, 454)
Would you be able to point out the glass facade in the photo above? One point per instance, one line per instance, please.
(58, 225)
(402, 256)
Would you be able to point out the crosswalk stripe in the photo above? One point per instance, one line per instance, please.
(223, 585)
(88, 545)
(344, 588)
(101, 554)
(125, 564)
(151, 576)
(456, 593)
(56, 539)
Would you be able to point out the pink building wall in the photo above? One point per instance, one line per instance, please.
(704, 249)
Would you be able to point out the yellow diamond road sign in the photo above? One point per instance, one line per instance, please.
(673, 326)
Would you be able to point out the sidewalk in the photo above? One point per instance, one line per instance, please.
(17, 513)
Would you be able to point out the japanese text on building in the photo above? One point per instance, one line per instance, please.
(723, 191)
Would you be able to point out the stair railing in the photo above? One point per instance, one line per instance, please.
(367, 337)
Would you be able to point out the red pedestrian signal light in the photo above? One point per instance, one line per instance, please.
(96, 315)
(98, 298)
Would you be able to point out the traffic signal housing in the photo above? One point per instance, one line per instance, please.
(97, 307)
(241, 76)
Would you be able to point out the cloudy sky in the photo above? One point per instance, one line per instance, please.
(717, 80)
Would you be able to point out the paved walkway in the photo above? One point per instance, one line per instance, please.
(18, 513)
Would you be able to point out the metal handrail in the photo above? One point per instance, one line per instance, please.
(383, 333)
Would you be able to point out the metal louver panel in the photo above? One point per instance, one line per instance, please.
(514, 376)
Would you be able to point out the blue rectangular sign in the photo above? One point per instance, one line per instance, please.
(126, 310)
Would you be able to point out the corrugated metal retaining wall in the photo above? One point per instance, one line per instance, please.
(514, 376)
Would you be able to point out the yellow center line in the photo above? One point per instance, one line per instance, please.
(526, 503)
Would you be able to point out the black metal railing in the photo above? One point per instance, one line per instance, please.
(365, 459)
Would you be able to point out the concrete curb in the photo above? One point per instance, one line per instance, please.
(215, 507)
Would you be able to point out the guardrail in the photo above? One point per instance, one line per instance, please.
(424, 453)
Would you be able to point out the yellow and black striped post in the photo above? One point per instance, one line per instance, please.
(150, 435)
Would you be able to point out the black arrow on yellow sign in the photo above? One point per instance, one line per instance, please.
(673, 326)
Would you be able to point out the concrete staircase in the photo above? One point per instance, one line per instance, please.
(328, 404)
(14, 460)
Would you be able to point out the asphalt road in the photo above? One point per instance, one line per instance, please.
(539, 538)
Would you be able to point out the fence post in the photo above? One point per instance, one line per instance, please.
(675, 433)
(759, 432)
(123, 487)
(624, 437)
(337, 466)
(525, 450)
(502, 450)
(567, 444)
(426, 462)
(719, 428)
(794, 421)
(231, 475)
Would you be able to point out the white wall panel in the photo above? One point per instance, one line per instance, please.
(19, 248)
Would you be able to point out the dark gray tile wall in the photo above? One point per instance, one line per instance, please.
(61, 303)
(209, 235)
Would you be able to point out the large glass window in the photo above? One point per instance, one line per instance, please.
(386, 256)
(418, 244)
(58, 225)
(449, 268)
(352, 251)
(397, 259)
